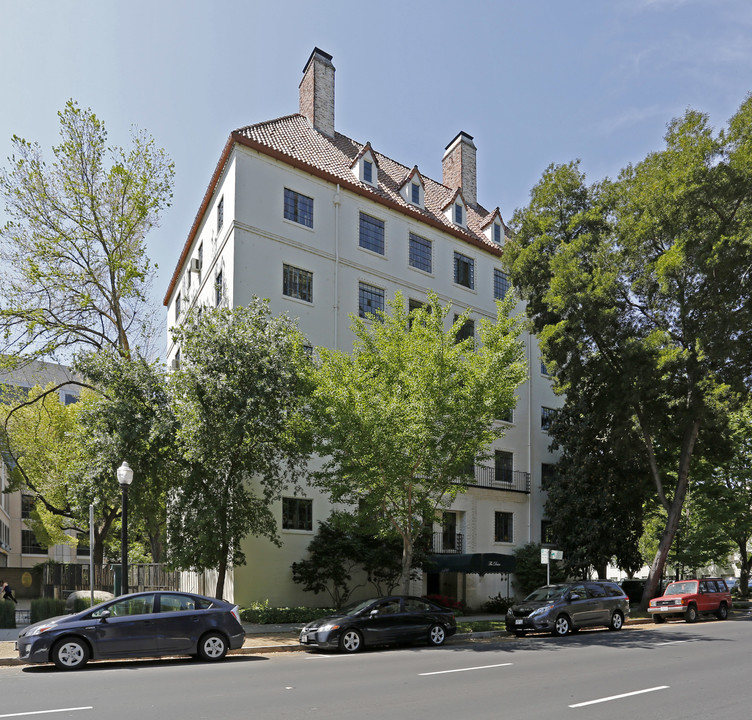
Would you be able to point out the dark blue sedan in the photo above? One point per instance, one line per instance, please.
(147, 624)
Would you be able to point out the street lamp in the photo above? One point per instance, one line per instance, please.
(125, 477)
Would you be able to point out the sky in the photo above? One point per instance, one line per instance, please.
(534, 82)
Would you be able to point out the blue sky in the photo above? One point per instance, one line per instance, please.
(534, 82)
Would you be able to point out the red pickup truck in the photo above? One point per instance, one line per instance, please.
(690, 599)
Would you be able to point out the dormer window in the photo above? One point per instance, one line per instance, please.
(368, 171)
(458, 214)
(415, 193)
(497, 233)
(365, 168)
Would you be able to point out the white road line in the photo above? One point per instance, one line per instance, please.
(673, 642)
(44, 712)
(480, 667)
(619, 697)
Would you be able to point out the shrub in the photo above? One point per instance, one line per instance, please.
(262, 614)
(497, 604)
(43, 608)
(7, 614)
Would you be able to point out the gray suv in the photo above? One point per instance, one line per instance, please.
(567, 607)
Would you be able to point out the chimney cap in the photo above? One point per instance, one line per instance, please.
(317, 51)
(463, 135)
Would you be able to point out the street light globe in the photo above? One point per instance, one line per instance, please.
(125, 475)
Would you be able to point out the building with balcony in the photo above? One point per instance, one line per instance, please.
(326, 226)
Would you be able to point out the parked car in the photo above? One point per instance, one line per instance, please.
(567, 607)
(381, 621)
(690, 599)
(146, 624)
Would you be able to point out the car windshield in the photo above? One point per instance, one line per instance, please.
(356, 607)
(549, 592)
(681, 588)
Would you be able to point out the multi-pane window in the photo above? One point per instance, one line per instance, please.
(30, 545)
(548, 475)
(415, 193)
(297, 514)
(547, 532)
(464, 270)
(220, 213)
(298, 208)
(504, 466)
(420, 253)
(501, 284)
(467, 331)
(219, 289)
(458, 213)
(547, 416)
(370, 299)
(297, 283)
(27, 506)
(371, 235)
(368, 171)
(504, 527)
(497, 234)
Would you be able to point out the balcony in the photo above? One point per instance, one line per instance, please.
(508, 480)
(447, 543)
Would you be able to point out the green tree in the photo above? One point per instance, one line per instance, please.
(239, 398)
(530, 572)
(645, 285)
(73, 265)
(401, 418)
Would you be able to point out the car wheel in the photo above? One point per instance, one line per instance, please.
(350, 641)
(658, 619)
(691, 614)
(212, 646)
(562, 626)
(436, 635)
(617, 621)
(70, 654)
(722, 612)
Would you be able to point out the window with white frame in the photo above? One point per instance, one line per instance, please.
(501, 284)
(547, 416)
(371, 234)
(220, 213)
(298, 208)
(297, 514)
(219, 289)
(464, 270)
(458, 214)
(504, 527)
(297, 283)
(370, 299)
(420, 253)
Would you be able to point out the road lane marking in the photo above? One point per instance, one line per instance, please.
(479, 667)
(619, 697)
(673, 642)
(45, 712)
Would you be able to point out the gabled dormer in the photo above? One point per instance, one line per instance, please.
(365, 168)
(493, 228)
(456, 209)
(413, 190)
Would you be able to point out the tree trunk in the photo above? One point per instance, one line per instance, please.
(407, 561)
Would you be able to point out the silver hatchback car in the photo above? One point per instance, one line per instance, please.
(567, 607)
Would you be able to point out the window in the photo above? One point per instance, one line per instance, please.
(415, 193)
(298, 208)
(467, 331)
(371, 236)
(177, 307)
(370, 299)
(140, 605)
(547, 532)
(368, 171)
(220, 213)
(420, 253)
(82, 550)
(458, 213)
(297, 283)
(497, 234)
(504, 466)
(308, 350)
(70, 398)
(501, 284)
(30, 545)
(297, 514)
(544, 369)
(27, 506)
(464, 270)
(449, 531)
(548, 475)
(219, 289)
(169, 602)
(503, 527)
(547, 416)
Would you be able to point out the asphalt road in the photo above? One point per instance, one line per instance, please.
(667, 672)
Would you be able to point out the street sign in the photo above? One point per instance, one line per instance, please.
(557, 554)
(544, 556)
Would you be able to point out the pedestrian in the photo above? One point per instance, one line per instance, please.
(7, 592)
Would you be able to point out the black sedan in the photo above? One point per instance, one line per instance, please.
(147, 624)
(381, 621)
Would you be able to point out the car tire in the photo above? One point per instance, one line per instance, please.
(436, 635)
(212, 647)
(70, 654)
(659, 619)
(690, 614)
(562, 626)
(617, 621)
(350, 641)
(722, 612)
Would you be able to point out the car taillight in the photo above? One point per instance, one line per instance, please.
(236, 612)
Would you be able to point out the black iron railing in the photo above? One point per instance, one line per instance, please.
(490, 477)
(444, 544)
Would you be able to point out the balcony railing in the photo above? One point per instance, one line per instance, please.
(443, 545)
(509, 480)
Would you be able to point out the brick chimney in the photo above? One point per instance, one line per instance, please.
(317, 92)
(458, 166)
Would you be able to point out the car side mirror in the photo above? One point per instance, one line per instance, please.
(374, 612)
(104, 615)
(574, 596)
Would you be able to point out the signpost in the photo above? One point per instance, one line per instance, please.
(546, 556)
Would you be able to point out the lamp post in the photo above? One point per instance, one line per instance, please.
(125, 477)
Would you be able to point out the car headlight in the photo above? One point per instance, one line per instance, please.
(41, 629)
(328, 626)
(540, 611)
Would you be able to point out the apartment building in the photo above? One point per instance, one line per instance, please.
(326, 226)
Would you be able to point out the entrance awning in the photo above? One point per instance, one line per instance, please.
(478, 563)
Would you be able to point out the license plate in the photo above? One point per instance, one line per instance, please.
(518, 622)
